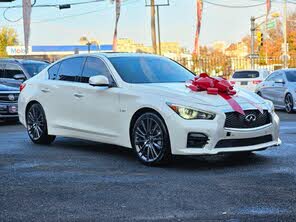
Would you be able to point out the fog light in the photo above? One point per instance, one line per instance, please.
(197, 140)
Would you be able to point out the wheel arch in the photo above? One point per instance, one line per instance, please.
(141, 111)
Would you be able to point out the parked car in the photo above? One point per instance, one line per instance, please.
(140, 101)
(248, 79)
(8, 103)
(14, 71)
(280, 88)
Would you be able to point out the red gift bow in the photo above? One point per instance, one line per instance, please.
(216, 86)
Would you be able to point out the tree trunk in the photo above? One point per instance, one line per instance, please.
(153, 31)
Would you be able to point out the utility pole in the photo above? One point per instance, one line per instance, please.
(153, 31)
(253, 29)
(285, 55)
(153, 5)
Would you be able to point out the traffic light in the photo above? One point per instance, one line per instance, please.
(260, 38)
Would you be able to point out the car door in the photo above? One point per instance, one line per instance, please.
(99, 106)
(59, 98)
(279, 89)
(266, 87)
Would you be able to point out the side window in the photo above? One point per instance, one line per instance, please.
(70, 69)
(53, 71)
(93, 67)
(11, 70)
(271, 76)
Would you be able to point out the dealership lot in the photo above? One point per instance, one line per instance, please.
(80, 180)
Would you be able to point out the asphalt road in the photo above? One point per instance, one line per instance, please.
(75, 180)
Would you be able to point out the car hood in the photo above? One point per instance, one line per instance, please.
(7, 88)
(178, 91)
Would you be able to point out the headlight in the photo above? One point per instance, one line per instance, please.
(189, 113)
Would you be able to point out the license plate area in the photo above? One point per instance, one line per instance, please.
(244, 83)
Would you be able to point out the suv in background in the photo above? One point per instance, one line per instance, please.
(8, 103)
(14, 71)
(248, 79)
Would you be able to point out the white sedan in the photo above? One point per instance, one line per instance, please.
(140, 101)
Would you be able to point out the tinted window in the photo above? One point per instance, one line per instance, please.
(70, 69)
(94, 66)
(34, 67)
(150, 70)
(11, 70)
(245, 74)
(291, 76)
(53, 71)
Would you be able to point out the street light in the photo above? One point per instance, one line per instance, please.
(84, 40)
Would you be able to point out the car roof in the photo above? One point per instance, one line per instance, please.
(22, 61)
(115, 54)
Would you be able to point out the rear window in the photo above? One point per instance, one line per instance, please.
(245, 75)
(291, 76)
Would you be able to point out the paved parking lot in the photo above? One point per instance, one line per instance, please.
(86, 181)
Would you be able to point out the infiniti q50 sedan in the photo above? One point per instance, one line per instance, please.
(140, 101)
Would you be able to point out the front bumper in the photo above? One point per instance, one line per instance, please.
(8, 110)
(215, 131)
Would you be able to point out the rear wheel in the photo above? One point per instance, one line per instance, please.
(150, 140)
(289, 104)
(37, 125)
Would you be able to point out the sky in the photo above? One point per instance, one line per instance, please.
(51, 26)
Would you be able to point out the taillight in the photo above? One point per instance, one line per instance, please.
(22, 86)
(257, 81)
(232, 82)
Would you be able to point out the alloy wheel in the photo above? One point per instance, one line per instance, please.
(289, 103)
(149, 139)
(36, 124)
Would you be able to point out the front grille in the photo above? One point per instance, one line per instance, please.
(237, 120)
(9, 97)
(244, 142)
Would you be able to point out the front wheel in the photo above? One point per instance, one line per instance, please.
(289, 104)
(150, 140)
(37, 125)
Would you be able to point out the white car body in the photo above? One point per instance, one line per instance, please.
(104, 114)
(246, 81)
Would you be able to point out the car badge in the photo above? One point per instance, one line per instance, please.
(250, 118)
(11, 97)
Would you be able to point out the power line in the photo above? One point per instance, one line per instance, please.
(234, 6)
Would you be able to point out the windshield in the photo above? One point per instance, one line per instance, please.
(291, 76)
(146, 69)
(34, 68)
(245, 74)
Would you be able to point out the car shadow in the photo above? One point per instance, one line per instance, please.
(9, 123)
(206, 162)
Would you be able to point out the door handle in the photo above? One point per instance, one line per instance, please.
(78, 95)
(45, 90)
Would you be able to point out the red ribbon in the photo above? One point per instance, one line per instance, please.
(216, 86)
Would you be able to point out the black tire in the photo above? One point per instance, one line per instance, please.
(289, 103)
(37, 125)
(150, 140)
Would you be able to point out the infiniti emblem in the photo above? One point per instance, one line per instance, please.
(250, 118)
(11, 97)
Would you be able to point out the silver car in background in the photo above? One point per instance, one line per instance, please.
(280, 88)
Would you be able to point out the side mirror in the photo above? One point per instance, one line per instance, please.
(99, 81)
(281, 81)
(20, 76)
